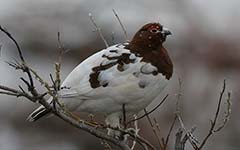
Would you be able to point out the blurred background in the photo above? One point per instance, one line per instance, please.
(204, 48)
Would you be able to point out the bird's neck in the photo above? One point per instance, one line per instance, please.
(141, 47)
(158, 57)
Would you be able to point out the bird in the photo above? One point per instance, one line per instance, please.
(132, 74)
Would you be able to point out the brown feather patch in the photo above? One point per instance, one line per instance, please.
(121, 60)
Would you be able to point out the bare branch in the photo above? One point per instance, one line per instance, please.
(124, 116)
(13, 92)
(153, 129)
(148, 113)
(113, 37)
(136, 132)
(178, 142)
(25, 68)
(227, 113)
(14, 41)
(212, 129)
(62, 50)
(121, 24)
(179, 117)
(193, 138)
(165, 142)
(0, 50)
(98, 30)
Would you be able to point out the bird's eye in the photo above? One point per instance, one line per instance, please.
(154, 30)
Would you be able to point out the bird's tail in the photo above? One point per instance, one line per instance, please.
(38, 113)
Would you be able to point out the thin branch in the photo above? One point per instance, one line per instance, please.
(53, 82)
(0, 50)
(193, 143)
(193, 138)
(14, 41)
(124, 116)
(11, 94)
(62, 50)
(148, 113)
(25, 69)
(153, 129)
(121, 24)
(98, 30)
(178, 116)
(141, 141)
(227, 113)
(214, 121)
(179, 141)
(165, 142)
(26, 82)
(157, 125)
(136, 132)
(113, 38)
(14, 92)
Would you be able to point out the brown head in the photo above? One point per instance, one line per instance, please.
(149, 37)
(147, 43)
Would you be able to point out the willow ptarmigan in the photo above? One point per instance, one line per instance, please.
(132, 74)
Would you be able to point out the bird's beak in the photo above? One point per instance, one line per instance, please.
(166, 31)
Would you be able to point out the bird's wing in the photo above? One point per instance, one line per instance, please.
(111, 69)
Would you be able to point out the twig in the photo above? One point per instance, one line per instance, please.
(25, 69)
(62, 50)
(227, 113)
(189, 134)
(212, 129)
(136, 132)
(124, 116)
(178, 141)
(165, 142)
(157, 125)
(121, 24)
(98, 30)
(0, 50)
(14, 92)
(178, 116)
(14, 41)
(148, 113)
(193, 138)
(153, 129)
(113, 37)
